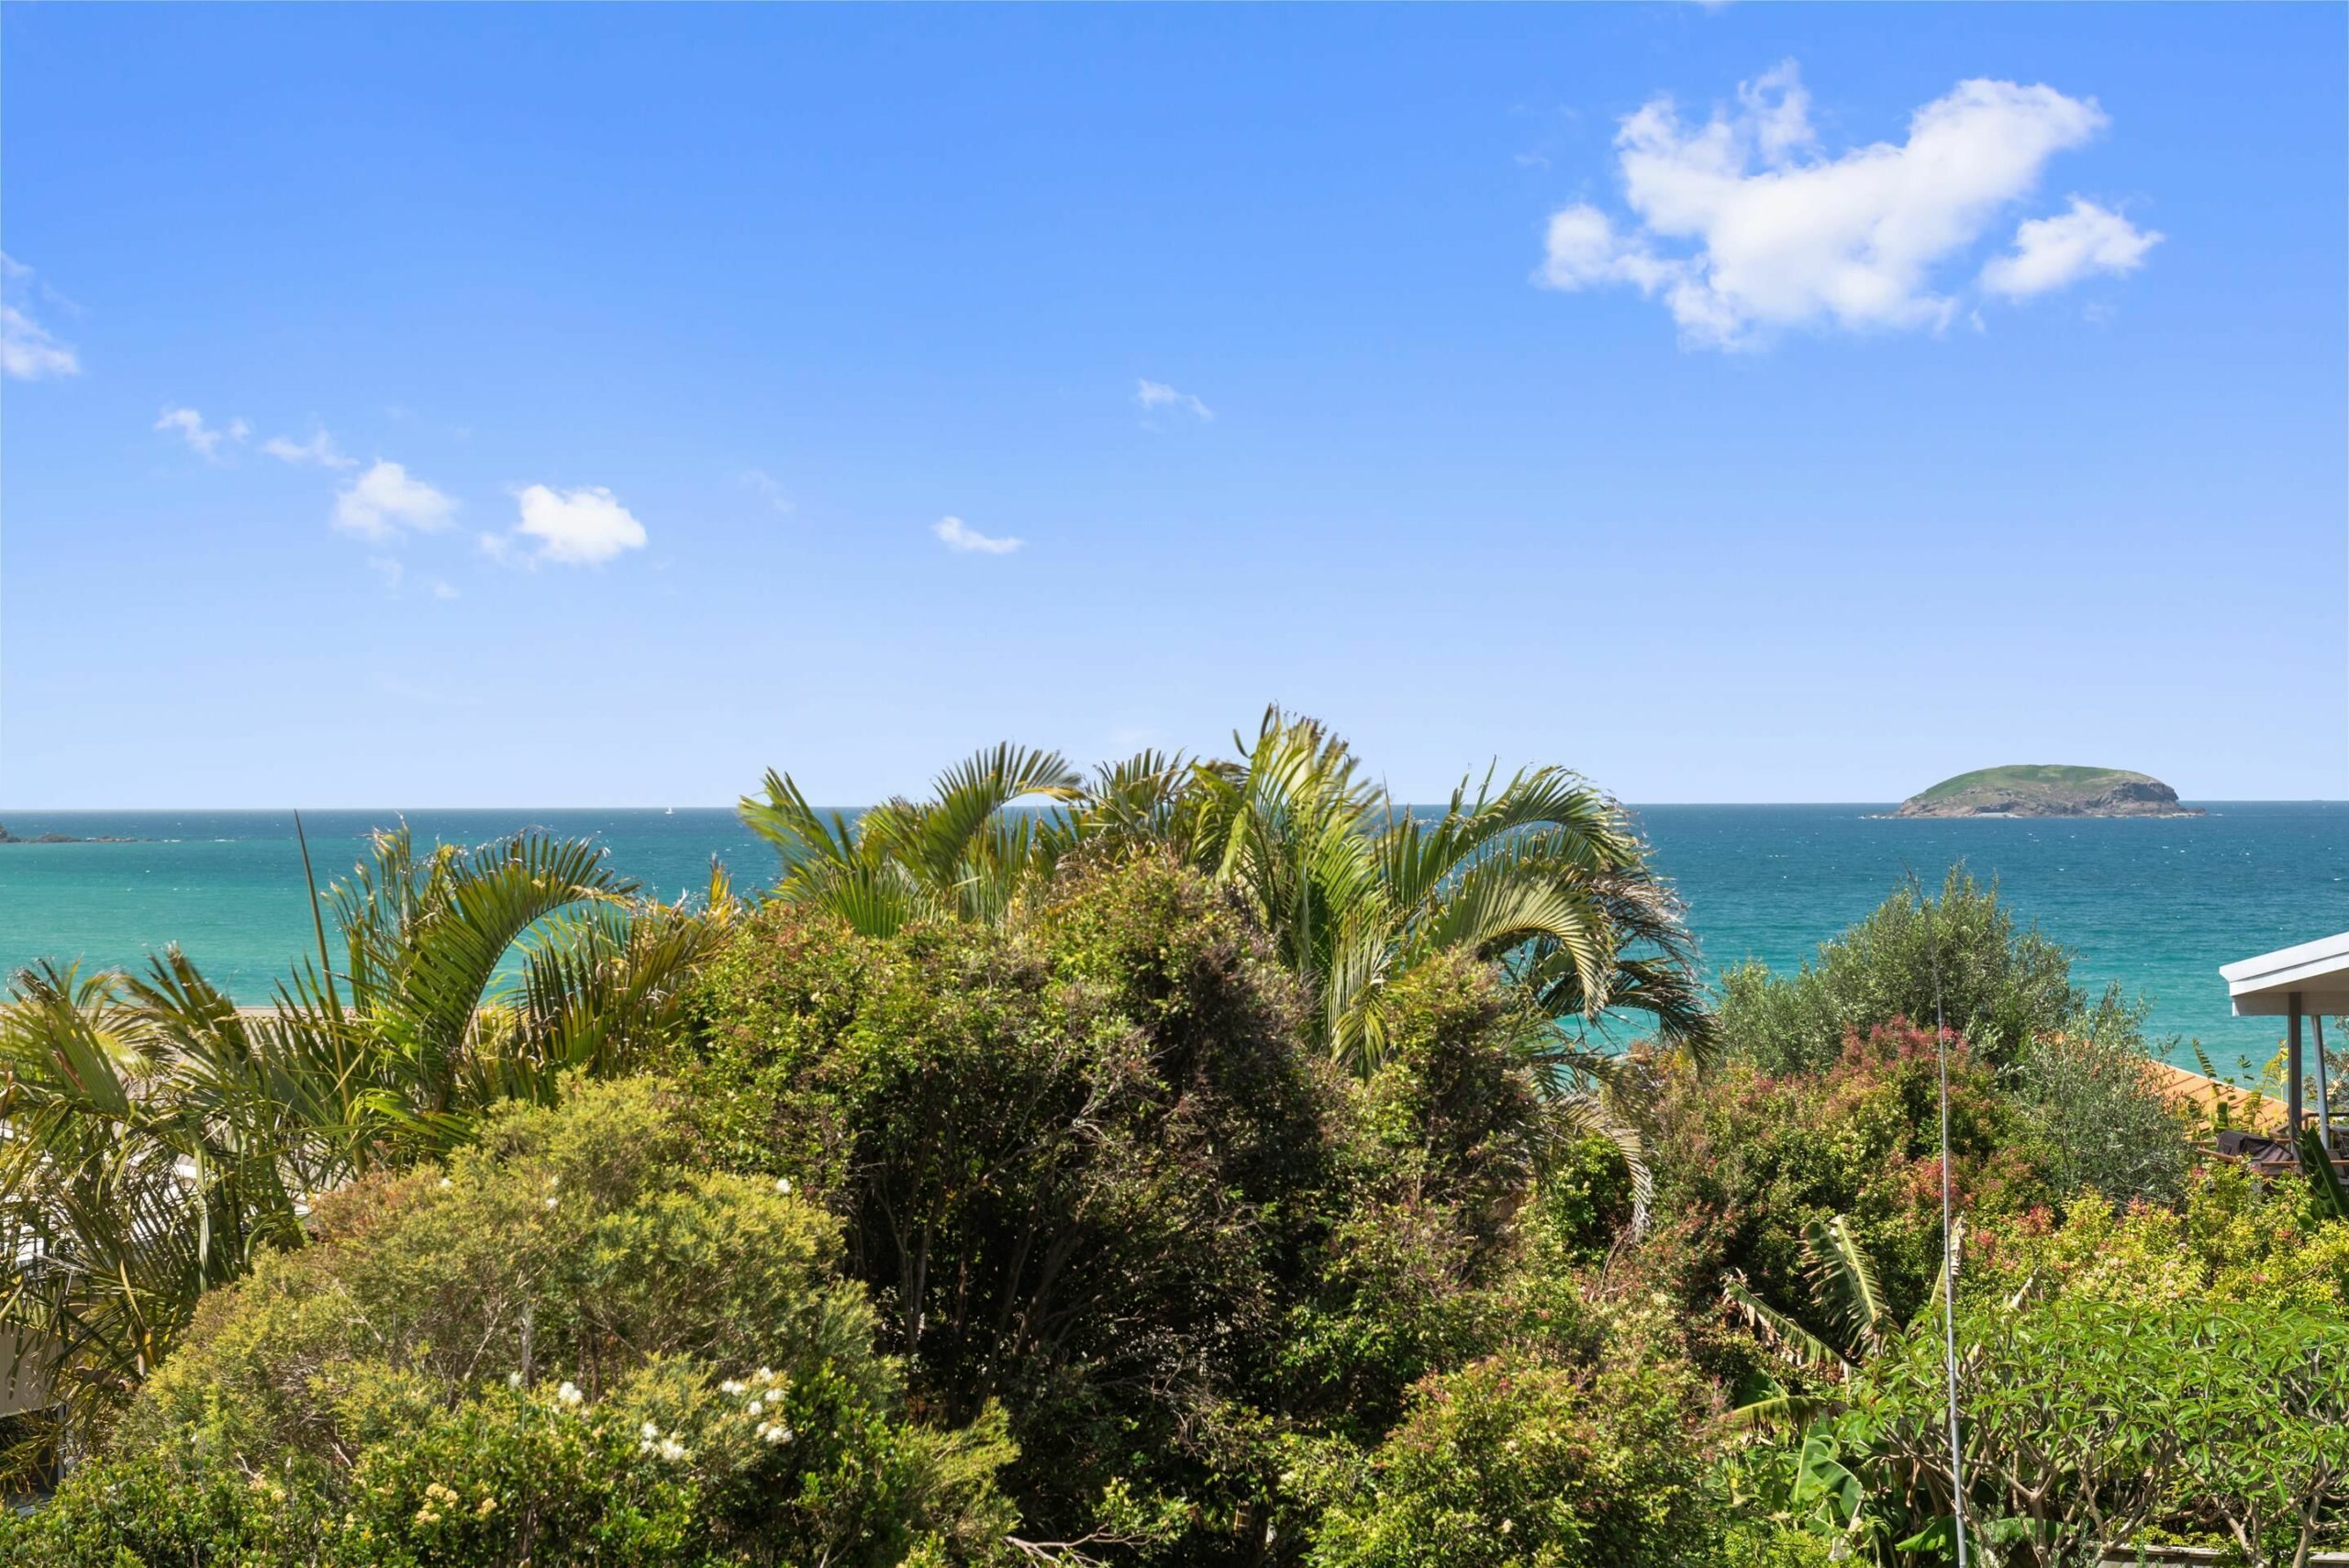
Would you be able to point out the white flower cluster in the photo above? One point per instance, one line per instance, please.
(765, 1389)
(652, 1441)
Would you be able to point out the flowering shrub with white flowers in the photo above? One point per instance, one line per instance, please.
(574, 1344)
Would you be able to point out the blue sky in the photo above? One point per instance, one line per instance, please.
(413, 406)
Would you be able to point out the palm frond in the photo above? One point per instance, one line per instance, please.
(157, 1139)
(798, 832)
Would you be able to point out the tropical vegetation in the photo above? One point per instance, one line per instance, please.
(1199, 1161)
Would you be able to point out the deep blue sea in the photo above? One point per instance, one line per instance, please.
(2155, 904)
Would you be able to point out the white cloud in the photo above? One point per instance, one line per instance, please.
(442, 590)
(2051, 252)
(319, 449)
(390, 570)
(202, 438)
(1744, 225)
(576, 527)
(959, 534)
(1156, 394)
(29, 351)
(759, 480)
(383, 501)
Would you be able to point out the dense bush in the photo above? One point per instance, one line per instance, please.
(1517, 1462)
(575, 1344)
(2177, 1374)
(1747, 1163)
(159, 1138)
(2098, 1122)
(1094, 1168)
(1070, 1234)
(2232, 1240)
(2000, 987)
(1077, 1162)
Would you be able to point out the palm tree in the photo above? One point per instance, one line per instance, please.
(474, 976)
(135, 1172)
(962, 853)
(1542, 876)
(154, 1138)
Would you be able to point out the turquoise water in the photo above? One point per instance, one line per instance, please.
(2157, 905)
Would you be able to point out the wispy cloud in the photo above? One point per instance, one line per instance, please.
(961, 535)
(202, 438)
(1156, 394)
(567, 528)
(1744, 224)
(765, 485)
(385, 502)
(29, 351)
(2053, 252)
(319, 449)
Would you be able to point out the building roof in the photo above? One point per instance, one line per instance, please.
(2206, 1097)
(2262, 987)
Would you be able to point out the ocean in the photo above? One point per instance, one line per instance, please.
(2156, 903)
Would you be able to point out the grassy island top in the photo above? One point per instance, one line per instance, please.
(2042, 789)
(2033, 777)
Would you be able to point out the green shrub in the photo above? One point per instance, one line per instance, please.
(1745, 1164)
(2098, 1122)
(1514, 1462)
(1452, 1113)
(1077, 1161)
(1752, 1543)
(575, 1344)
(1586, 1198)
(2233, 1240)
(1095, 1170)
(2000, 987)
(2089, 1420)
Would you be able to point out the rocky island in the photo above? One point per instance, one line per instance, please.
(9, 837)
(2047, 790)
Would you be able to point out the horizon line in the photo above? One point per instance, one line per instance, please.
(8, 811)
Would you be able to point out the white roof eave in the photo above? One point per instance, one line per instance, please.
(2318, 971)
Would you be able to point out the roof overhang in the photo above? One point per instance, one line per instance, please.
(2263, 987)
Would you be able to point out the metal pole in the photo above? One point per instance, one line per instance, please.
(1949, 1268)
(2292, 1076)
(2323, 1105)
